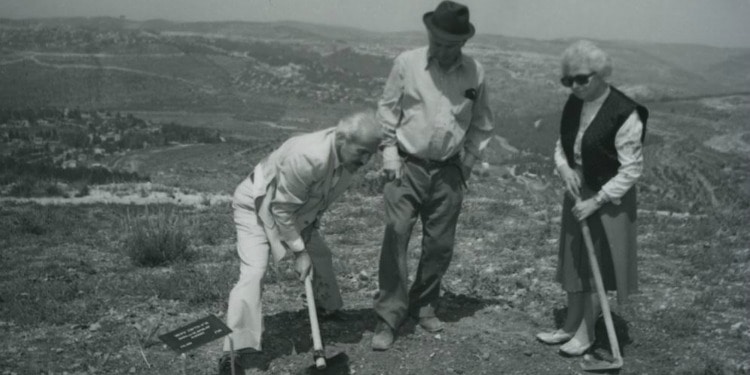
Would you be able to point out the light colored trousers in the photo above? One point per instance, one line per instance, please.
(245, 314)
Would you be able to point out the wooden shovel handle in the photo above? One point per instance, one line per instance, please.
(601, 292)
(320, 360)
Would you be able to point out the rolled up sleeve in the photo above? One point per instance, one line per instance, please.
(389, 110)
(630, 155)
(482, 124)
(559, 156)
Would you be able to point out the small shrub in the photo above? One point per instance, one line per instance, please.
(23, 188)
(34, 222)
(482, 283)
(205, 200)
(83, 191)
(29, 187)
(157, 239)
(53, 190)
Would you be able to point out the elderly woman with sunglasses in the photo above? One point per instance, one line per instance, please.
(599, 159)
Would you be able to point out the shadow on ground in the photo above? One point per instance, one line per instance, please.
(454, 307)
(336, 365)
(288, 332)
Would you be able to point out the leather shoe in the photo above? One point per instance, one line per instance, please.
(552, 338)
(225, 366)
(245, 358)
(574, 348)
(327, 315)
(383, 337)
(431, 324)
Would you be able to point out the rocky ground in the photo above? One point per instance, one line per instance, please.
(72, 302)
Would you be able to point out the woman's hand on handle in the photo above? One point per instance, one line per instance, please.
(584, 209)
(571, 179)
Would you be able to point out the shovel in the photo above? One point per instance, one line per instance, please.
(318, 352)
(593, 364)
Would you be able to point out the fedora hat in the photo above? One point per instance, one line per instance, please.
(449, 21)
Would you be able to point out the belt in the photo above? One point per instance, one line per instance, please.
(426, 163)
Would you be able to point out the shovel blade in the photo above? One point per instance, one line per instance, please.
(336, 365)
(592, 364)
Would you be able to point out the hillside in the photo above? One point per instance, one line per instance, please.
(104, 62)
(272, 71)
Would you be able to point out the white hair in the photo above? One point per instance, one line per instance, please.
(586, 53)
(361, 127)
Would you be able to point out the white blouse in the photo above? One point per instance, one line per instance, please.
(627, 143)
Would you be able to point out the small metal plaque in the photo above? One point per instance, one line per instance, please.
(195, 334)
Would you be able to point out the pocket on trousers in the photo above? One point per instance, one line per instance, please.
(243, 194)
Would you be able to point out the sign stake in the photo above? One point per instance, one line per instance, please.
(231, 353)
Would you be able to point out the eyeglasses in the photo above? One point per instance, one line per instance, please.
(580, 79)
(446, 45)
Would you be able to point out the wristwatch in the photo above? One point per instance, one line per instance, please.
(600, 199)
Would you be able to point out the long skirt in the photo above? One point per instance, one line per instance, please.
(613, 232)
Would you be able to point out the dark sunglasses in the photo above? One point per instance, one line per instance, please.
(580, 79)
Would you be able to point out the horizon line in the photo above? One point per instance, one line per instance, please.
(340, 26)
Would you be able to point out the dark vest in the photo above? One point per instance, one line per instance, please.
(598, 152)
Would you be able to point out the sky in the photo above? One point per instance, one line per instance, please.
(721, 23)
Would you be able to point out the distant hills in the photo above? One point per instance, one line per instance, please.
(260, 82)
(269, 69)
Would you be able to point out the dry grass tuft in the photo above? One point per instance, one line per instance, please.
(156, 239)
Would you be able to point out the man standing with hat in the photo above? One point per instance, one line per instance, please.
(437, 122)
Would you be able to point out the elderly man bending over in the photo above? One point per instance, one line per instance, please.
(277, 208)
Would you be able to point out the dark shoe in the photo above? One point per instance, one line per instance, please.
(431, 324)
(327, 315)
(225, 366)
(383, 337)
(245, 358)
